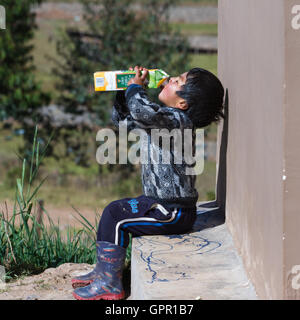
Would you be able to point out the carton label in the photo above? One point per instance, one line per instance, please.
(122, 79)
(99, 82)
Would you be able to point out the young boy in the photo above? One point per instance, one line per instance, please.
(168, 206)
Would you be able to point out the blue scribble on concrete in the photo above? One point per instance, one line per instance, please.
(199, 244)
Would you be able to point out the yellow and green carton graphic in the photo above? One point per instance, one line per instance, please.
(117, 80)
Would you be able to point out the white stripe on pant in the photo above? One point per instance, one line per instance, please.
(143, 219)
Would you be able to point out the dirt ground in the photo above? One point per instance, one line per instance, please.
(52, 284)
(66, 216)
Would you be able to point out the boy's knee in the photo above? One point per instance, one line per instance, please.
(109, 211)
(106, 212)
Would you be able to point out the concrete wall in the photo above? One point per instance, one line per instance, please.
(292, 150)
(259, 65)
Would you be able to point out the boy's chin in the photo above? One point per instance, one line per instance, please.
(164, 100)
(160, 98)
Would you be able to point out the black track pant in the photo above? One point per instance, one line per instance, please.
(142, 216)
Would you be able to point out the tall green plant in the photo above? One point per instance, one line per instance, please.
(28, 245)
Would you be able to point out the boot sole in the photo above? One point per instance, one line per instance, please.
(80, 283)
(102, 296)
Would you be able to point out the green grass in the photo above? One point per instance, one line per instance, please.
(205, 182)
(205, 61)
(45, 47)
(27, 245)
(210, 29)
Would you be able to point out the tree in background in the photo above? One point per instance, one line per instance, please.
(119, 34)
(20, 95)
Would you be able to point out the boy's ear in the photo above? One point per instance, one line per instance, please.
(182, 104)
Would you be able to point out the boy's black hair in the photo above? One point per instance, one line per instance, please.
(204, 95)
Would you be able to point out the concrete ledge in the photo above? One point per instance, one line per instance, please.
(203, 264)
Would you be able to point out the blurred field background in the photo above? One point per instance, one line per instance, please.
(69, 184)
(51, 198)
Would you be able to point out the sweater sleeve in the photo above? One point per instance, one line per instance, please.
(120, 113)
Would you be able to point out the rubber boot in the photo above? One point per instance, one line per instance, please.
(108, 285)
(86, 279)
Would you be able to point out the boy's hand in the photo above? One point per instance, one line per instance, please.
(139, 77)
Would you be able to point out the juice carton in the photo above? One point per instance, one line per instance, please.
(117, 80)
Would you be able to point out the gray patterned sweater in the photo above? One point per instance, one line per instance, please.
(167, 183)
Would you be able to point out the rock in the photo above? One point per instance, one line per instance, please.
(57, 117)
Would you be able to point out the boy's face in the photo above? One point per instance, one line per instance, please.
(168, 95)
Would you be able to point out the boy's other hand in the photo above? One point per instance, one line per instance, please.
(140, 77)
